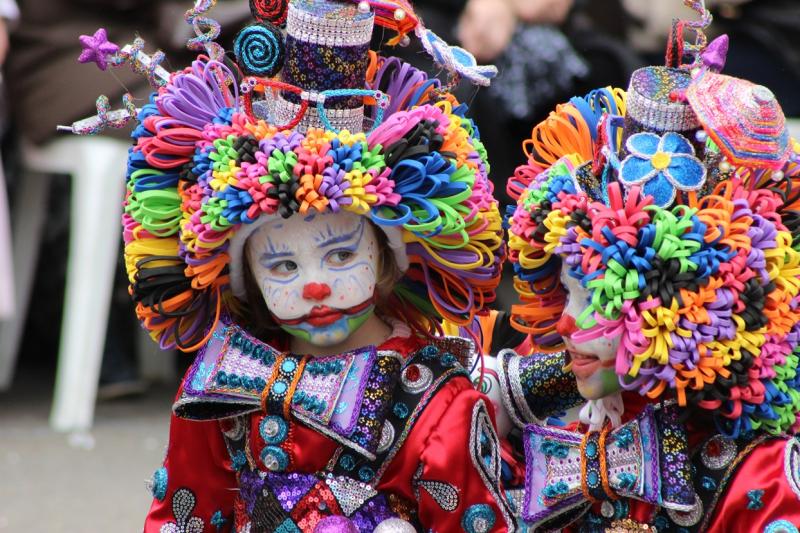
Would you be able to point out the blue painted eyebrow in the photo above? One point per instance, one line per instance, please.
(271, 256)
(337, 239)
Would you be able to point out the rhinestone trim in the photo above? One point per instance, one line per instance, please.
(420, 384)
(791, 465)
(338, 31)
(690, 517)
(727, 452)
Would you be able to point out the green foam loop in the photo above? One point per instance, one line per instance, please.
(281, 165)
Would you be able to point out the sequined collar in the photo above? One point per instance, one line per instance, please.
(236, 374)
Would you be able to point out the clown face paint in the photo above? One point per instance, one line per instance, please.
(317, 274)
(592, 361)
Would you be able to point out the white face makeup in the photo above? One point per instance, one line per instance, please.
(593, 361)
(317, 274)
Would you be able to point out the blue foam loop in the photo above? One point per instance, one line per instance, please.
(402, 212)
(417, 94)
(236, 201)
(344, 156)
(602, 101)
(136, 161)
(147, 110)
(156, 179)
(381, 97)
(587, 113)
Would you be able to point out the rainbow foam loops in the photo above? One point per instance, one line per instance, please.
(703, 292)
(201, 169)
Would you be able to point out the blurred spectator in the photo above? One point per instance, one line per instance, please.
(8, 14)
(48, 87)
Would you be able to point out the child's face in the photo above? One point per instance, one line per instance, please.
(593, 361)
(317, 274)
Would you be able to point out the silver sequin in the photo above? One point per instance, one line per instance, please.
(444, 494)
(387, 436)
(421, 384)
(690, 517)
(727, 452)
(349, 493)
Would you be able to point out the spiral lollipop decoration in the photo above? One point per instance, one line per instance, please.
(259, 49)
(272, 11)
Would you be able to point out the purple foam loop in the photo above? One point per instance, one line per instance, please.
(451, 307)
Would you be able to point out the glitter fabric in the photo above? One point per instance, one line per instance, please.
(745, 120)
(651, 101)
(535, 387)
(644, 459)
(326, 48)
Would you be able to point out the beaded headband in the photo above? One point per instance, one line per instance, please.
(222, 146)
(684, 231)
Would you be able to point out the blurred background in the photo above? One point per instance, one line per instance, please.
(65, 469)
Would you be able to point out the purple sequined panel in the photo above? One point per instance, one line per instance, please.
(372, 513)
(289, 489)
(676, 475)
(376, 402)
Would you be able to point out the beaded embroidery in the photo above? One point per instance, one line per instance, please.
(484, 449)
(183, 503)
(780, 526)
(479, 518)
(791, 464)
(535, 387)
(345, 397)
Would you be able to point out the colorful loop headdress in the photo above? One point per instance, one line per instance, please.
(677, 205)
(224, 144)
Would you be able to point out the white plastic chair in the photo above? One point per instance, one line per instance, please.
(96, 165)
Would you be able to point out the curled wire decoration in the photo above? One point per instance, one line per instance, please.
(698, 27)
(105, 118)
(205, 28)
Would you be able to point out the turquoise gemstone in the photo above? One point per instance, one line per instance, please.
(279, 387)
(288, 365)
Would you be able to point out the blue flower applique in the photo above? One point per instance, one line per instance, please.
(661, 165)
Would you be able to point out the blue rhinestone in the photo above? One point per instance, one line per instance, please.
(159, 488)
(400, 410)
(591, 450)
(478, 518)
(365, 473)
(429, 352)
(708, 483)
(274, 458)
(273, 429)
(347, 462)
(279, 387)
(449, 360)
(592, 478)
(288, 366)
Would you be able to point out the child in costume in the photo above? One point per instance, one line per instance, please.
(308, 234)
(656, 238)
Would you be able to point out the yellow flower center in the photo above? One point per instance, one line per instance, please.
(660, 160)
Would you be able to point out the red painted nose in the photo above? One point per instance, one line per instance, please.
(566, 326)
(316, 291)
